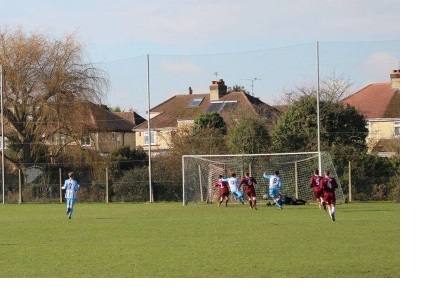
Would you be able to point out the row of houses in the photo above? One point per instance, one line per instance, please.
(378, 102)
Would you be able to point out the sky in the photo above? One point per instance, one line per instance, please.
(153, 50)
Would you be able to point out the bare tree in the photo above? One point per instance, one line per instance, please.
(44, 79)
(332, 89)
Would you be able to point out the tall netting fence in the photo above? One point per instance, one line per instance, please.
(200, 173)
(142, 82)
(41, 183)
(267, 74)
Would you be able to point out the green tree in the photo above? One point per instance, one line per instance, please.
(249, 136)
(373, 178)
(124, 159)
(237, 87)
(210, 120)
(206, 136)
(43, 77)
(296, 129)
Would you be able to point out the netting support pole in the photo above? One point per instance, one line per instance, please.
(107, 186)
(183, 180)
(318, 111)
(350, 183)
(60, 184)
(296, 180)
(19, 186)
(3, 132)
(200, 182)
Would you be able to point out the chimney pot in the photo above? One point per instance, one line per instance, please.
(395, 79)
(217, 89)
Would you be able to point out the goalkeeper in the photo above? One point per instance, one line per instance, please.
(234, 187)
(275, 187)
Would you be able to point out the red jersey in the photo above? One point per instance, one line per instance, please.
(249, 183)
(316, 183)
(223, 187)
(329, 184)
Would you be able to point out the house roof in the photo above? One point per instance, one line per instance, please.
(100, 118)
(377, 100)
(132, 116)
(188, 106)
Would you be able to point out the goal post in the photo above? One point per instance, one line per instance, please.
(200, 172)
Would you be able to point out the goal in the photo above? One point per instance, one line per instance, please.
(200, 172)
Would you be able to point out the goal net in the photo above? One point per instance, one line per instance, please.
(200, 172)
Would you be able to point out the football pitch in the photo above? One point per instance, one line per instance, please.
(169, 240)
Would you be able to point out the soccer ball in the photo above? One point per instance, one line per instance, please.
(265, 196)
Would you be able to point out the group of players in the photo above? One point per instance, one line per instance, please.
(323, 188)
(233, 185)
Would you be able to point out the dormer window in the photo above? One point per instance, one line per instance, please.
(218, 106)
(195, 102)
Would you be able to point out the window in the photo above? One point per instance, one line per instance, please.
(86, 141)
(218, 106)
(58, 139)
(215, 106)
(397, 128)
(195, 102)
(148, 137)
(229, 105)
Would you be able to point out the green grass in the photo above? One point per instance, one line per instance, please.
(169, 240)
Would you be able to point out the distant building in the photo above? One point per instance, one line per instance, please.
(179, 112)
(380, 105)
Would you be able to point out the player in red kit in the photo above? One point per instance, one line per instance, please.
(316, 185)
(329, 184)
(250, 184)
(223, 188)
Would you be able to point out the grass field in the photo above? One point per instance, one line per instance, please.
(169, 240)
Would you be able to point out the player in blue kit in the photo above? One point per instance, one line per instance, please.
(71, 186)
(275, 186)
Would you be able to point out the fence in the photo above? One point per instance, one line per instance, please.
(42, 183)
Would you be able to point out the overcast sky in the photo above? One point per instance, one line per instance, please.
(120, 34)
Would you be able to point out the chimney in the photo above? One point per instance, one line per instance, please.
(395, 79)
(190, 90)
(217, 89)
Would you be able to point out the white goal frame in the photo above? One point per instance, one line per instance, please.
(200, 172)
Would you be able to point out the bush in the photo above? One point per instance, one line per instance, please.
(133, 186)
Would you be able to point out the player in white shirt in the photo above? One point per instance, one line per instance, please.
(71, 186)
(275, 187)
(233, 186)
